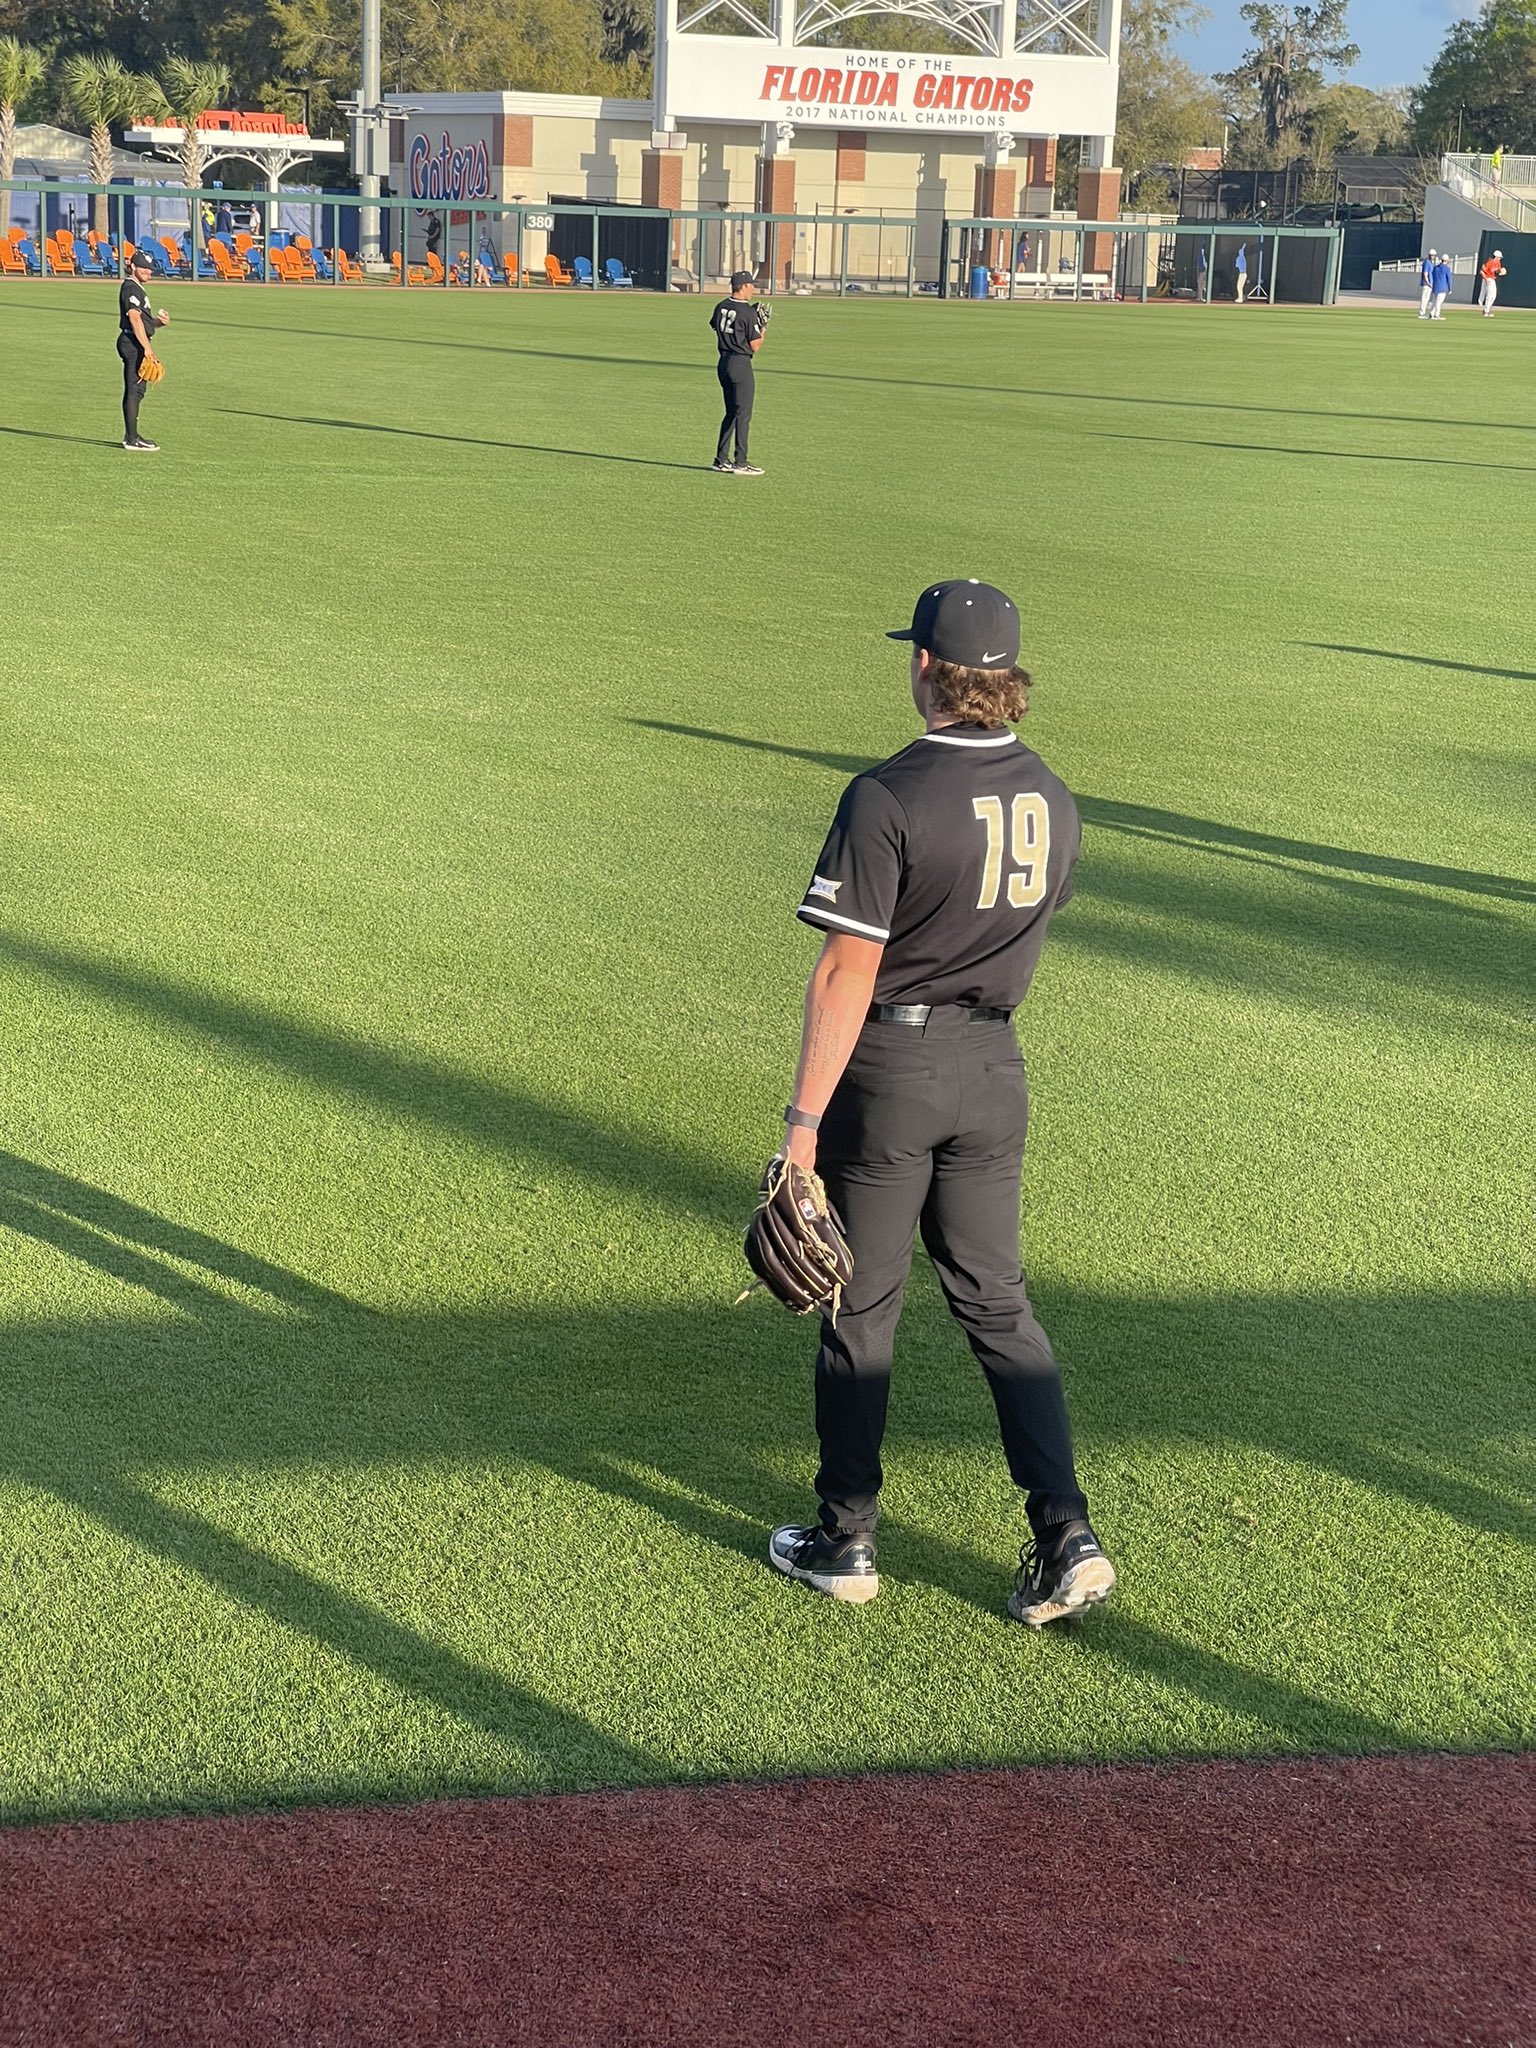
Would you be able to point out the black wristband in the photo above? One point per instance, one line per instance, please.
(801, 1119)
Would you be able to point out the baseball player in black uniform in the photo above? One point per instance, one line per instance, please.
(937, 882)
(137, 326)
(738, 327)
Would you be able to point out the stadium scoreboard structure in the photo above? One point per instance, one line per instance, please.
(757, 108)
(718, 61)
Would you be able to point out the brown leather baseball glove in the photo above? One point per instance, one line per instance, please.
(795, 1243)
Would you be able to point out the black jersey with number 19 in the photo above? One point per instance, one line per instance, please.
(953, 854)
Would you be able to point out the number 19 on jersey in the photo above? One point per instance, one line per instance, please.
(1031, 845)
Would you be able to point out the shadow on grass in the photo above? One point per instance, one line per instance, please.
(1466, 668)
(409, 1087)
(1319, 454)
(465, 440)
(80, 440)
(1344, 1385)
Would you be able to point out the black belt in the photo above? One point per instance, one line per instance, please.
(917, 1014)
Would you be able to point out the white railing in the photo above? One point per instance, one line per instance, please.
(1462, 266)
(1472, 178)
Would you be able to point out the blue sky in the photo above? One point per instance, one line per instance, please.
(1398, 38)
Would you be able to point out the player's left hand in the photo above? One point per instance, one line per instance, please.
(800, 1147)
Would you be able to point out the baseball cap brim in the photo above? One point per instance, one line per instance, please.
(905, 633)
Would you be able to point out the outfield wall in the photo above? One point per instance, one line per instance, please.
(541, 148)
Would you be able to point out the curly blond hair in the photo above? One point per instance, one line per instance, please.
(978, 696)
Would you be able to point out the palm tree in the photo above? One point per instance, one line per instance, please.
(98, 91)
(21, 68)
(189, 89)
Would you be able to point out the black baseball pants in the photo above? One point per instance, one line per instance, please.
(739, 387)
(133, 384)
(926, 1132)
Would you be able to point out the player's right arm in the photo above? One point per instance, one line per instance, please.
(140, 331)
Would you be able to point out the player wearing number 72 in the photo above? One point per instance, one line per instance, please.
(935, 888)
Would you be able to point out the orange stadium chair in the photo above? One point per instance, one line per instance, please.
(434, 267)
(348, 271)
(415, 275)
(12, 263)
(61, 257)
(292, 267)
(556, 271)
(229, 266)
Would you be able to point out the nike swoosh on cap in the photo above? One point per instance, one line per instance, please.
(993, 657)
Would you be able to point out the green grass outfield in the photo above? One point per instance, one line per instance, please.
(409, 776)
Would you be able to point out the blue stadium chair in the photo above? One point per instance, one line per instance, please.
(615, 273)
(582, 265)
(86, 262)
(256, 264)
(322, 264)
(28, 249)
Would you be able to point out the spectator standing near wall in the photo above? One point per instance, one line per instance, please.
(1496, 165)
(1442, 278)
(1426, 282)
(1488, 290)
(1241, 267)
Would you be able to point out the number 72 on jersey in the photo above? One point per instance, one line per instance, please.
(1030, 848)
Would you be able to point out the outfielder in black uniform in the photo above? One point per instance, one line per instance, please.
(137, 327)
(940, 875)
(738, 327)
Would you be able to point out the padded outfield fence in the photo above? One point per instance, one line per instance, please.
(300, 236)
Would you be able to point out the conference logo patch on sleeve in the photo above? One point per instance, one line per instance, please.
(825, 889)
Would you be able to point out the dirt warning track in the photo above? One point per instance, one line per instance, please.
(1385, 1901)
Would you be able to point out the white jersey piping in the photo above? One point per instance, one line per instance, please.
(945, 739)
(848, 924)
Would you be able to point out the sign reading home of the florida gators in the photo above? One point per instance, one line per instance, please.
(451, 171)
(736, 78)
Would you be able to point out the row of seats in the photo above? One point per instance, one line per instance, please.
(241, 259)
(63, 255)
(504, 270)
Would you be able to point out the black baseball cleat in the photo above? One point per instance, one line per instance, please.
(142, 447)
(842, 1567)
(1060, 1575)
(746, 469)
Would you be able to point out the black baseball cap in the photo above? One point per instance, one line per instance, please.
(969, 623)
(741, 277)
(141, 260)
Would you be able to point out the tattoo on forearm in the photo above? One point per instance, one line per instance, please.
(822, 1042)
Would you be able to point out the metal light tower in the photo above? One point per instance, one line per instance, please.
(370, 138)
